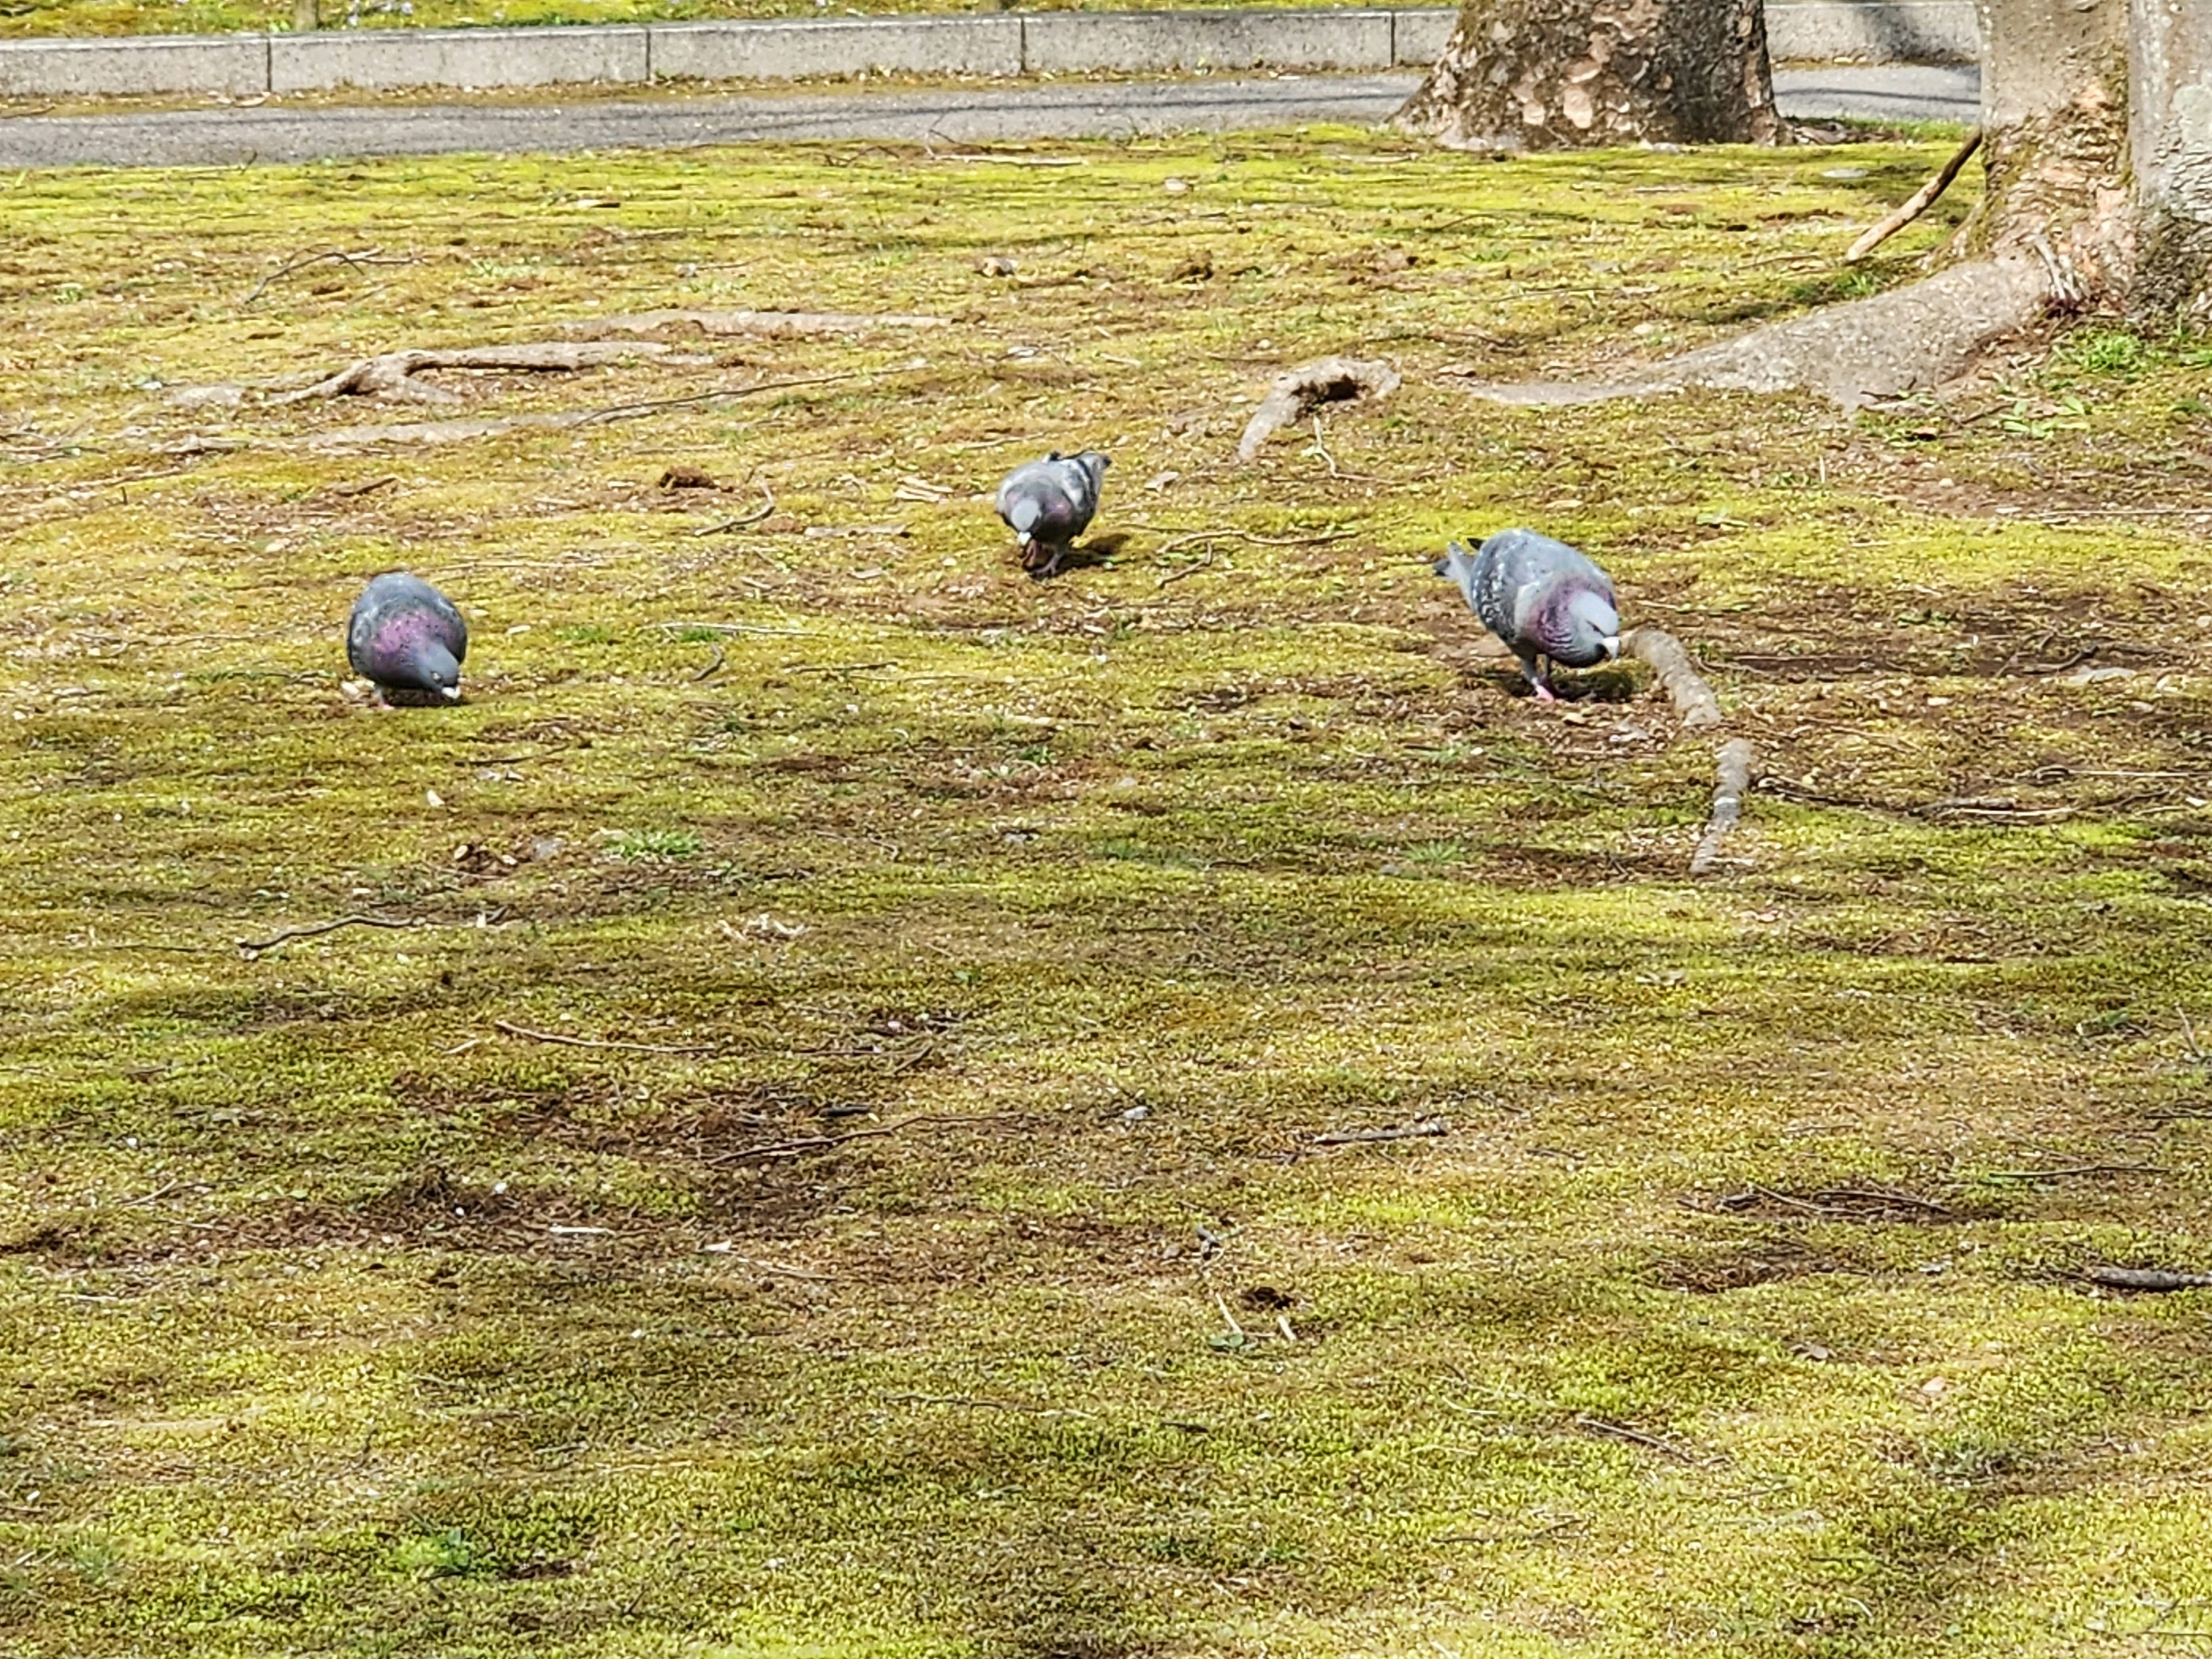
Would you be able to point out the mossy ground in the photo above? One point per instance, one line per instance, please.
(334, 1318)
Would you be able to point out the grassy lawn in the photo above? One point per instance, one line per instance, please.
(23, 18)
(848, 1158)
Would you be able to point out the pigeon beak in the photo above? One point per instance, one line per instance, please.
(449, 693)
(1611, 648)
(1023, 538)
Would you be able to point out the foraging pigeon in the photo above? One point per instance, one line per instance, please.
(1542, 597)
(405, 636)
(1048, 502)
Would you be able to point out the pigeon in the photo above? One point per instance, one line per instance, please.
(1543, 598)
(405, 637)
(1048, 503)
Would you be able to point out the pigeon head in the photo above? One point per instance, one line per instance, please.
(426, 665)
(1579, 627)
(1457, 565)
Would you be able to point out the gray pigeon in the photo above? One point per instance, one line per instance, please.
(1048, 503)
(405, 636)
(1542, 597)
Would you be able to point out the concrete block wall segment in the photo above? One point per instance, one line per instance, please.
(233, 64)
(1008, 44)
(456, 57)
(1056, 42)
(1417, 39)
(787, 51)
(1873, 31)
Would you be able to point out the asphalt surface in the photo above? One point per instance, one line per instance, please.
(272, 133)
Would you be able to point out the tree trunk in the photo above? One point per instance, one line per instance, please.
(2097, 143)
(1565, 74)
(2170, 138)
(2098, 125)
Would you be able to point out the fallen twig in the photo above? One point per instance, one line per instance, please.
(970, 1401)
(2076, 1170)
(1190, 570)
(1728, 804)
(251, 948)
(2147, 1279)
(744, 521)
(330, 255)
(1296, 391)
(1636, 1436)
(367, 486)
(712, 668)
(1433, 1125)
(599, 1043)
(776, 1150)
(1919, 203)
(787, 1271)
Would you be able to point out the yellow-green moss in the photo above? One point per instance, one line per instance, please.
(335, 1318)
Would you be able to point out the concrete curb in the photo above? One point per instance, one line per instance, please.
(999, 44)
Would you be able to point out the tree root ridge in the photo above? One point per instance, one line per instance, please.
(782, 325)
(1881, 347)
(392, 374)
(1679, 678)
(1736, 759)
(1296, 391)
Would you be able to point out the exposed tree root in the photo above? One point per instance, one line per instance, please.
(448, 432)
(1881, 347)
(444, 431)
(1693, 699)
(767, 324)
(1297, 391)
(1728, 804)
(1920, 201)
(392, 374)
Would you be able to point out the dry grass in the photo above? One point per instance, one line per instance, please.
(1732, 1315)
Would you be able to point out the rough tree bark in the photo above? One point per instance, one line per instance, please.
(1564, 74)
(2097, 143)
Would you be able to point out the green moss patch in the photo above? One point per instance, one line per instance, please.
(831, 1139)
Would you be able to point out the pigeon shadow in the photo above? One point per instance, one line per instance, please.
(1607, 683)
(1099, 550)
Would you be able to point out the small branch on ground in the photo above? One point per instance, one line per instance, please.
(251, 948)
(1728, 804)
(777, 1151)
(744, 521)
(391, 374)
(1598, 1426)
(523, 1032)
(2147, 1279)
(1297, 392)
(330, 256)
(2076, 1170)
(786, 324)
(1921, 201)
(1434, 1126)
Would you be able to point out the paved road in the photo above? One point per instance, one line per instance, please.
(959, 115)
